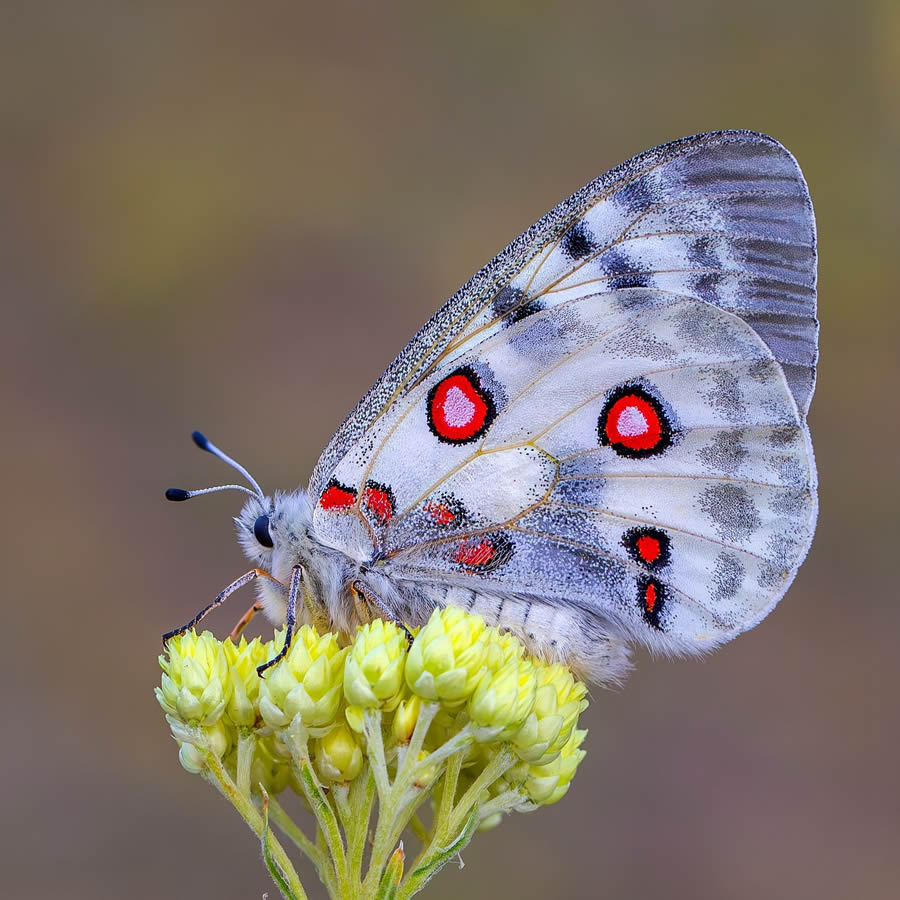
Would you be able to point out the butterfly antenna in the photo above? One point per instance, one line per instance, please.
(178, 494)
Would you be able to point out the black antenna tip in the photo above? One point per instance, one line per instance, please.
(177, 494)
(200, 440)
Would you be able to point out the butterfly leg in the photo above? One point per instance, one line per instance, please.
(245, 620)
(238, 583)
(293, 590)
(373, 602)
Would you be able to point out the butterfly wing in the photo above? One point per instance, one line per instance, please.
(610, 417)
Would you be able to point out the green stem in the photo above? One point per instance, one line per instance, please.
(375, 752)
(273, 867)
(440, 829)
(502, 803)
(501, 763)
(396, 799)
(245, 750)
(398, 821)
(328, 823)
(252, 817)
(448, 789)
(362, 797)
(433, 862)
(296, 836)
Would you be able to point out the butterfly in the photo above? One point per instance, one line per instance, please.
(599, 441)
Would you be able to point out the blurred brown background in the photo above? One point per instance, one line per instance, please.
(231, 218)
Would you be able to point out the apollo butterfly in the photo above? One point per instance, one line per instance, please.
(600, 439)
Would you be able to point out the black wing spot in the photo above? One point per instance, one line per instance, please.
(635, 280)
(578, 242)
(506, 301)
(524, 311)
(623, 271)
(702, 253)
(638, 196)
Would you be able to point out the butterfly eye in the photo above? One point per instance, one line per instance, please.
(261, 530)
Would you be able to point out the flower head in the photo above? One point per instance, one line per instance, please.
(548, 784)
(307, 681)
(195, 684)
(447, 658)
(559, 699)
(373, 671)
(503, 699)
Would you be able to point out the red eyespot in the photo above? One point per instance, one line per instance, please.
(634, 423)
(651, 600)
(650, 547)
(446, 510)
(440, 514)
(459, 409)
(483, 553)
(379, 500)
(337, 496)
(474, 554)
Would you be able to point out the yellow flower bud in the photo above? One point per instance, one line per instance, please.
(373, 671)
(405, 717)
(243, 658)
(427, 775)
(217, 738)
(338, 755)
(191, 759)
(195, 683)
(559, 700)
(446, 660)
(548, 784)
(503, 699)
(307, 681)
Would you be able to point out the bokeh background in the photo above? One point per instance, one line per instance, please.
(231, 216)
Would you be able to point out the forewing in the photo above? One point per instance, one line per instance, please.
(724, 217)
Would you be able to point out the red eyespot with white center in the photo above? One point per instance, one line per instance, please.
(459, 409)
(634, 423)
(379, 500)
(337, 496)
(483, 553)
(650, 547)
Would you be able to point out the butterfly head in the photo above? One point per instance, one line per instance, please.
(272, 531)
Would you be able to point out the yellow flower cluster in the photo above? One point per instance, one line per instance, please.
(480, 677)
(462, 712)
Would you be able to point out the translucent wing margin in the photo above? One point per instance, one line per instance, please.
(724, 217)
